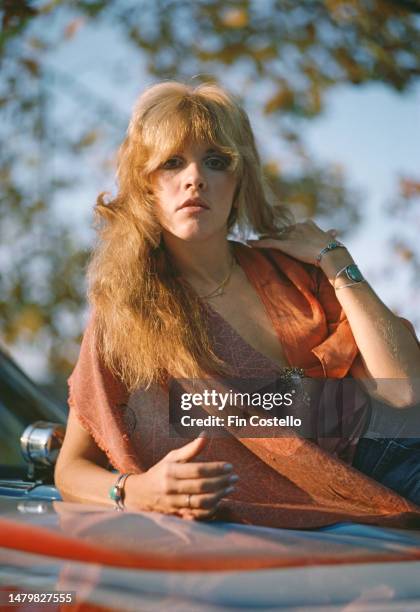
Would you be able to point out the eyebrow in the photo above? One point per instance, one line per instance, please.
(216, 151)
(210, 150)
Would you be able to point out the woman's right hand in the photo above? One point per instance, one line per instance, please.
(176, 485)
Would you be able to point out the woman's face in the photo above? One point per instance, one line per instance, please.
(194, 190)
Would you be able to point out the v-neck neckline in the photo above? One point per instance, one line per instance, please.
(244, 264)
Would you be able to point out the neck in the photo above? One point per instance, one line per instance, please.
(203, 264)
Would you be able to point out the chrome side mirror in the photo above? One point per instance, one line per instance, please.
(40, 444)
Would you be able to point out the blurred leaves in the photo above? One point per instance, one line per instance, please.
(31, 66)
(235, 18)
(73, 27)
(15, 15)
(87, 139)
(409, 188)
(283, 99)
(281, 57)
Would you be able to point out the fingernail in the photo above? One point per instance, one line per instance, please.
(233, 478)
(227, 467)
(229, 490)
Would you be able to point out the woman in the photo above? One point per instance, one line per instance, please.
(172, 298)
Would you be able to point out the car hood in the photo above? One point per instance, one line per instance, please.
(95, 550)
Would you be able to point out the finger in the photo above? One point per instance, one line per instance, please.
(205, 501)
(332, 232)
(203, 485)
(264, 243)
(206, 469)
(209, 501)
(188, 451)
(198, 515)
(187, 515)
(201, 515)
(272, 241)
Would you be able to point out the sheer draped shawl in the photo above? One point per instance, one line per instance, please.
(284, 481)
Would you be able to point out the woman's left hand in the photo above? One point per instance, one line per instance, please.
(303, 241)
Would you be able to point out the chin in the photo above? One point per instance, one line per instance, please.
(197, 233)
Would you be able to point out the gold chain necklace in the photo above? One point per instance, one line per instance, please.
(220, 289)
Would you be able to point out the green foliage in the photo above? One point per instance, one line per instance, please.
(281, 57)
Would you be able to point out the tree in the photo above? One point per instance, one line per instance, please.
(281, 56)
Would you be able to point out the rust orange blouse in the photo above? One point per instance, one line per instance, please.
(284, 482)
(305, 313)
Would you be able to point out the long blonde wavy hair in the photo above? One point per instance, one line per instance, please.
(149, 323)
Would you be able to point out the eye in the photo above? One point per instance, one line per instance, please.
(218, 162)
(171, 163)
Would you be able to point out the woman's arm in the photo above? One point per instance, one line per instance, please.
(175, 485)
(389, 351)
(80, 471)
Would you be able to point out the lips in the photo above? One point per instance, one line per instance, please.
(193, 203)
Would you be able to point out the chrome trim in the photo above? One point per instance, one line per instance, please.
(41, 442)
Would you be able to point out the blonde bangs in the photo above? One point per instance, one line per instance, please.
(187, 119)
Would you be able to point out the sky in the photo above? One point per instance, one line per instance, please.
(375, 134)
(371, 131)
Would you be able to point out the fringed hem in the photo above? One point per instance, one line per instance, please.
(89, 427)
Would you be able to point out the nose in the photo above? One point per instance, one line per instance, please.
(194, 177)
